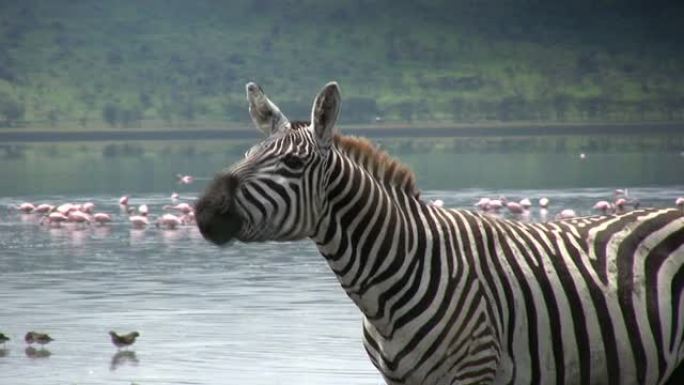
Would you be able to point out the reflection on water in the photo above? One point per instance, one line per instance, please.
(268, 313)
(254, 314)
(41, 352)
(443, 163)
(123, 357)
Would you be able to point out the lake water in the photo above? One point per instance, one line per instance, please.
(246, 314)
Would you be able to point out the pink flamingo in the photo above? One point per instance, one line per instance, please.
(87, 207)
(123, 201)
(77, 216)
(143, 210)
(174, 196)
(495, 205)
(102, 218)
(603, 207)
(188, 218)
(138, 221)
(544, 202)
(543, 208)
(54, 218)
(620, 204)
(182, 207)
(44, 208)
(185, 179)
(566, 214)
(437, 203)
(515, 208)
(483, 204)
(26, 207)
(66, 208)
(169, 221)
(679, 202)
(525, 203)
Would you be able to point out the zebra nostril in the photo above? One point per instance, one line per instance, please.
(215, 212)
(215, 223)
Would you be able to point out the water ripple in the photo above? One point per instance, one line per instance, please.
(249, 314)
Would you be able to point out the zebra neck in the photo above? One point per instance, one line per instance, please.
(372, 237)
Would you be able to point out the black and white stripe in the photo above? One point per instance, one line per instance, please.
(455, 296)
(458, 295)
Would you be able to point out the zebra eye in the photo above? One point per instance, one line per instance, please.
(293, 161)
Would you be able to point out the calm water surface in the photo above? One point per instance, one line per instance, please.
(245, 314)
(444, 163)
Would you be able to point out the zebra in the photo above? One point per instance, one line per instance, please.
(452, 296)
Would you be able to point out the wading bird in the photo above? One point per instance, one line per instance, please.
(124, 340)
(169, 221)
(102, 218)
(138, 221)
(544, 202)
(55, 218)
(78, 217)
(526, 203)
(183, 207)
(26, 207)
(603, 207)
(44, 208)
(185, 179)
(39, 338)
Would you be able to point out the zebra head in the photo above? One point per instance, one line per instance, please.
(274, 192)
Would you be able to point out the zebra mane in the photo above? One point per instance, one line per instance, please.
(377, 162)
(382, 166)
(299, 124)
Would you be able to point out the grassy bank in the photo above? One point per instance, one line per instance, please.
(129, 64)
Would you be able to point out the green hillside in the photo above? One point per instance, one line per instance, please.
(158, 63)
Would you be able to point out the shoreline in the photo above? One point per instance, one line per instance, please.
(399, 130)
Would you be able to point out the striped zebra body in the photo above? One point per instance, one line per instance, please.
(574, 301)
(454, 296)
(590, 301)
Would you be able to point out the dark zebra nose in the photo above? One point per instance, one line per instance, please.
(215, 212)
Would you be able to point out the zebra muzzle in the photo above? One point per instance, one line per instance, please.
(215, 212)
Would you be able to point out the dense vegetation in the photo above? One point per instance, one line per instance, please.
(156, 63)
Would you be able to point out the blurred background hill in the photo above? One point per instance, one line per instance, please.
(76, 64)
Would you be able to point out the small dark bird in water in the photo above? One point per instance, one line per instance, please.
(40, 338)
(3, 339)
(121, 341)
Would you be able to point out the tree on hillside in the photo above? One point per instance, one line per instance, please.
(11, 111)
(115, 114)
(110, 114)
(6, 71)
(53, 117)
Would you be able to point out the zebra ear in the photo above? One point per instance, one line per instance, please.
(265, 114)
(326, 108)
